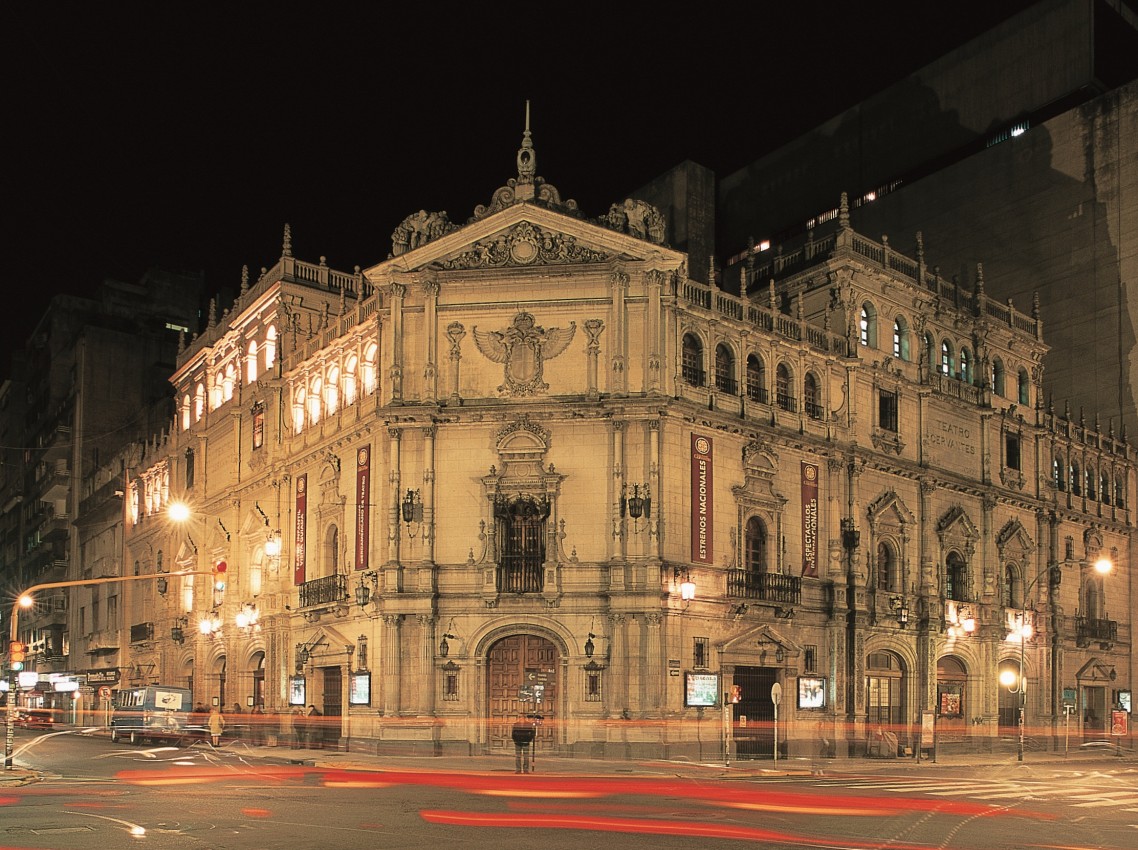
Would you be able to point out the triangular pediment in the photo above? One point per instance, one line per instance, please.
(527, 235)
(757, 641)
(1095, 671)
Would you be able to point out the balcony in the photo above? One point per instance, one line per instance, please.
(57, 483)
(141, 632)
(767, 587)
(1103, 631)
(328, 590)
(520, 575)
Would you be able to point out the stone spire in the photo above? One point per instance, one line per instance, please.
(286, 246)
(844, 212)
(244, 279)
(527, 157)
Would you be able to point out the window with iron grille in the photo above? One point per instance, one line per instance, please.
(887, 410)
(521, 531)
(725, 370)
(699, 654)
(691, 361)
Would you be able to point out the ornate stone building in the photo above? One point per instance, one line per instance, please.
(528, 463)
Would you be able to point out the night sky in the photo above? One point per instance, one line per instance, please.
(186, 135)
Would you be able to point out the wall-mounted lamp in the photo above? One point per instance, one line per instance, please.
(178, 630)
(163, 586)
(412, 510)
(851, 537)
(687, 586)
(444, 647)
(900, 609)
(589, 647)
(273, 545)
(363, 592)
(304, 651)
(638, 505)
(210, 626)
(247, 617)
(784, 613)
(739, 610)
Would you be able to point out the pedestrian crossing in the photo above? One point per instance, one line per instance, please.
(997, 791)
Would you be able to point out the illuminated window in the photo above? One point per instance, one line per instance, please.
(954, 577)
(369, 373)
(900, 338)
(199, 402)
(228, 381)
(251, 362)
(314, 393)
(997, 382)
(1059, 473)
(350, 380)
(270, 347)
(946, 360)
(867, 326)
(332, 390)
(186, 412)
(725, 370)
(965, 366)
(784, 389)
(298, 409)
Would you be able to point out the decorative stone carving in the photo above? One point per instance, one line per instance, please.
(523, 348)
(418, 229)
(636, 218)
(525, 244)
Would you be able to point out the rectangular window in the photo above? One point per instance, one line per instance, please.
(809, 658)
(189, 468)
(592, 686)
(450, 687)
(699, 653)
(887, 410)
(1011, 451)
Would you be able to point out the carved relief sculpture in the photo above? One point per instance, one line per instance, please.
(523, 348)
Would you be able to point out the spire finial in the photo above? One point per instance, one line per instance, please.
(920, 248)
(286, 247)
(844, 212)
(244, 279)
(212, 312)
(527, 158)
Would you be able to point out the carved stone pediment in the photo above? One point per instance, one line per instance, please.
(525, 244)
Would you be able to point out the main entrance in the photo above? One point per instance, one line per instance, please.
(517, 667)
(753, 715)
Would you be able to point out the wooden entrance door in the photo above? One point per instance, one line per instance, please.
(513, 663)
(754, 735)
(333, 705)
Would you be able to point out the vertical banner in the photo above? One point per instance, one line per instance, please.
(809, 519)
(301, 519)
(701, 499)
(363, 500)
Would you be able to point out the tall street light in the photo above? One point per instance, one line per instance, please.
(1018, 684)
(26, 600)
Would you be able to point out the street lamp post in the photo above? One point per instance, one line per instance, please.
(1102, 566)
(24, 600)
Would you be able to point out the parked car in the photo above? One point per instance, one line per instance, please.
(34, 718)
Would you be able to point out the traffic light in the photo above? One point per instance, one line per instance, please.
(219, 576)
(17, 654)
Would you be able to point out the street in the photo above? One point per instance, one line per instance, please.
(95, 793)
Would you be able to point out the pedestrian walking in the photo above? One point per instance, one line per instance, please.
(314, 727)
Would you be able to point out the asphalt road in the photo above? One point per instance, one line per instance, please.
(97, 794)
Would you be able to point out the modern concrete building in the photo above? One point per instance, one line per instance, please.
(528, 464)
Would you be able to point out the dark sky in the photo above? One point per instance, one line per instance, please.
(185, 135)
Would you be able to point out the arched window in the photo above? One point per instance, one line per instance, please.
(228, 381)
(965, 365)
(215, 397)
(1091, 476)
(332, 551)
(332, 391)
(186, 412)
(1059, 473)
(755, 546)
(886, 567)
(1093, 605)
(946, 360)
(691, 361)
(811, 396)
(784, 389)
(199, 402)
(314, 396)
(1024, 387)
(951, 684)
(998, 376)
(1076, 479)
(369, 373)
(1120, 489)
(298, 409)
(867, 325)
(900, 338)
(725, 370)
(930, 351)
(1104, 487)
(1013, 587)
(251, 362)
(270, 347)
(756, 379)
(350, 380)
(885, 690)
(954, 576)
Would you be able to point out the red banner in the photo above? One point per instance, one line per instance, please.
(809, 519)
(363, 497)
(301, 519)
(702, 507)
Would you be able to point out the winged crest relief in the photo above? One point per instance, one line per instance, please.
(523, 348)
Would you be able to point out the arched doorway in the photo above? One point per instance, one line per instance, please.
(515, 663)
(885, 702)
(1010, 697)
(951, 698)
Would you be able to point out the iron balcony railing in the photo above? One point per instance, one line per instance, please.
(327, 590)
(520, 575)
(769, 587)
(1104, 630)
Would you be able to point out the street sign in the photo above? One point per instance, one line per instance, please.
(104, 692)
(776, 693)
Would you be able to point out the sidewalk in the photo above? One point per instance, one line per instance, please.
(1079, 759)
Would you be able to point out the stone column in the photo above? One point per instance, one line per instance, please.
(619, 282)
(429, 434)
(394, 531)
(654, 380)
(395, 374)
(392, 664)
(455, 333)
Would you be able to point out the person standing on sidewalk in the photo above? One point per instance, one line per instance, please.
(216, 726)
(523, 734)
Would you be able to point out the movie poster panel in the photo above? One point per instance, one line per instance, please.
(809, 519)
(298, 572)
(702, 505)
(363, 512)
